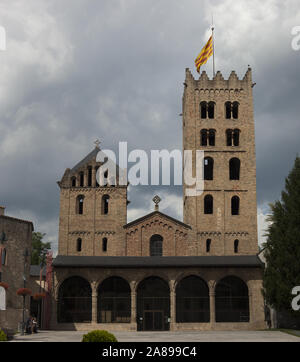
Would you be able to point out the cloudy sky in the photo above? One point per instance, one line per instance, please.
(78, 70)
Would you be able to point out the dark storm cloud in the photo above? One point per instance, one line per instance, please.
(114, 70)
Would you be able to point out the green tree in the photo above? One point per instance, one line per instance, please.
(282, 251)
(39, 248)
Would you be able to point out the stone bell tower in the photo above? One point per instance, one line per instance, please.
(218, 119)
(91, 216)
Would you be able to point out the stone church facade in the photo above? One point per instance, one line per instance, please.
(159, 273)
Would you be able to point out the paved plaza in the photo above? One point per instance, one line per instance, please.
(200, 336)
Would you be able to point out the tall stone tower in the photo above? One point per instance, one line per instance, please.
(218, 119)
(91, 216)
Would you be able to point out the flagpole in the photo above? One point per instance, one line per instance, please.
(213, 43)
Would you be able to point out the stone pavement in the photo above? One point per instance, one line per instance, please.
(200, 336)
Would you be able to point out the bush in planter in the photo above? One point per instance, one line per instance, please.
(99, 336)
(3, 337)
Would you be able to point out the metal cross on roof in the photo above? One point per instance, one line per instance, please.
(97, 143)
(156, 199)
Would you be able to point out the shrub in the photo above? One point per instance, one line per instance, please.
(3, 337)
(99, 336)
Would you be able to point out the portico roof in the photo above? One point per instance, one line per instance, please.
(251, 261)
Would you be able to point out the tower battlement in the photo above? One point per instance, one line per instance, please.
(218, 81)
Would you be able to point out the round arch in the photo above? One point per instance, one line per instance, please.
(232, 300)
(153, 304)
(74, 301)
(192, 300)
(114, 301)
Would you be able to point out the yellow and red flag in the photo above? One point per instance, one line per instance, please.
(205, 53)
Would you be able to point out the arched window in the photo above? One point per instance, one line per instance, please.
(232, 300)
(203, 110)
(79, 204)
(229, 137)
(235, 205)
(235, 110)
(208, 205)
(236, 246)
(156, 245)
(228, 110)
(204, 137)
(90, 176)
(105, 204)
(234, 169)
(104, 244)
(79, 244)
(114, 301)
(211, 110)
(192, 301)
(208, 244)
(74, 301)
(236, 137)
(81, 179)
(208, 168)
(73, 181)
(153, 305)
(212, 137)
(3, 257)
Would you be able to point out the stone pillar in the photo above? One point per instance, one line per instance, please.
(172, 305)
(93, 177)
(172, 309)
(212, 305)
(133, 307)
(251, 311)
(94, 303)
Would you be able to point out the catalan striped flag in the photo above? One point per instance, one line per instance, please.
(205, 53)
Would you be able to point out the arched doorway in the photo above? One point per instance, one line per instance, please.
(232, 300)
(153, 305)
(114, 301)
(192, 301)
(74, 301)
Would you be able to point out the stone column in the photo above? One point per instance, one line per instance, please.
(212, 307)
(133, 307)
(172, 305)
(172, 309)
(93, 177)
(94, 303)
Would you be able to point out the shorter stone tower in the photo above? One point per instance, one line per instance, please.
(91, 216)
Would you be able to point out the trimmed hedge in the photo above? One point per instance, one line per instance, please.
(3, 337)
(99, 336)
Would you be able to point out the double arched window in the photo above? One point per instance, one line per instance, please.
(233, 137)
(207, 110)
(208, 137)
(232, 110)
